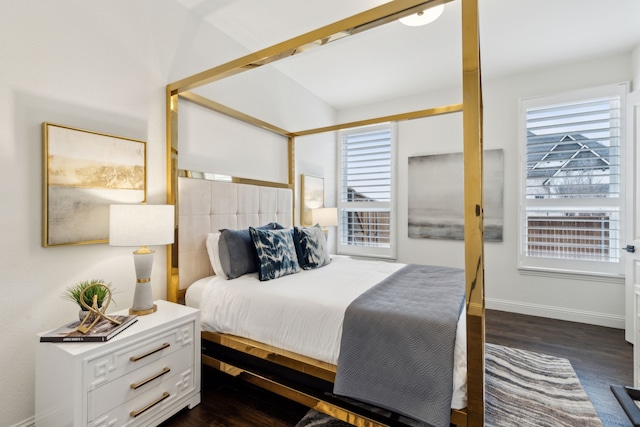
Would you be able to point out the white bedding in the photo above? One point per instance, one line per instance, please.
(317, 299)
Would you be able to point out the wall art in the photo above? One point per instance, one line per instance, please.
(312, 196)
(436, 196)
(83, 173)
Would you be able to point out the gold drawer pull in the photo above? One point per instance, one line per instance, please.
(148, 380)
(150, 405)
(142, 356)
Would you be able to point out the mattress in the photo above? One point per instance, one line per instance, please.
(316, 299)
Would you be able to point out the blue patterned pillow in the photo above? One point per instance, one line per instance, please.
(311, 246)
(276, 253)
(237, 252)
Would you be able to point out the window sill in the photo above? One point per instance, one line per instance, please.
(371, 257)
(572, 275)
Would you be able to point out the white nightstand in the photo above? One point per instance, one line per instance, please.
(140, 377)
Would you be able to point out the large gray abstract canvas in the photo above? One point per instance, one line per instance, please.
(436, 196)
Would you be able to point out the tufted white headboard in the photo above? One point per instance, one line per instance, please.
(205, 206)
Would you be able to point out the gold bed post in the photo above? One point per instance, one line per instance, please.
(291, 151)
(473, 211)
(172, 191)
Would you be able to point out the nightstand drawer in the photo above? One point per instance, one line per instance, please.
(139, 409)
(133, 384)
(112, 365)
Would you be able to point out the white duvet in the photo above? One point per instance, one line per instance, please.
(302, 312)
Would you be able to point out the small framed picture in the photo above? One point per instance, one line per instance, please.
(312, 196)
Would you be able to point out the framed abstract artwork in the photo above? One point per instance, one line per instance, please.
(311, 195)
(436, 196)
(83, 173)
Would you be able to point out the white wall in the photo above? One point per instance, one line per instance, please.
(268, 95)
(599, 302)
(102, 66)
(316, 155)
(635, 66)
(211, 142)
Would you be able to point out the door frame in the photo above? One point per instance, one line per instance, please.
(632, 234)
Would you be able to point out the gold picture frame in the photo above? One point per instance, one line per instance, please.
(83, 173)
(311, 195)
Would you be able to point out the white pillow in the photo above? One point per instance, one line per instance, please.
(214, 254)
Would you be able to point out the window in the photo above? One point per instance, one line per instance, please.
(572, 193)
(366, 223)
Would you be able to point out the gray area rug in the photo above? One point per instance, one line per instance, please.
(523, 389)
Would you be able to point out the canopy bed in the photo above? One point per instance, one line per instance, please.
(281, 370)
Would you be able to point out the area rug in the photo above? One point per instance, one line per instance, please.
(523, 389)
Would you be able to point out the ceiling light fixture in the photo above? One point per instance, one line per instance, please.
(423, 18)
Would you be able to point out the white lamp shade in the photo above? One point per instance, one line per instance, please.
(141, 225)
(326, 217)
(423, 18)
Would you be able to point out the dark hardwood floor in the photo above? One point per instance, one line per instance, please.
(600, 356)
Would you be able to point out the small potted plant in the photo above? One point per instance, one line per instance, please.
(73, 293)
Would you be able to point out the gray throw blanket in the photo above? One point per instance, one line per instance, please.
(397, 343)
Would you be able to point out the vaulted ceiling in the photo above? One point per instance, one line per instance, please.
(394, 60)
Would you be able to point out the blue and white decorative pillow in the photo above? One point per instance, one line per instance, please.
(276, 253)
(311, 246)
(236, 251)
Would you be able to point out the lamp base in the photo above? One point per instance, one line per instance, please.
(143, 312)
(143, 295)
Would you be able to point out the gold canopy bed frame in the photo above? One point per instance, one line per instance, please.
(471, 109)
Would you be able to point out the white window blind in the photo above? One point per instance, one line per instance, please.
(366, 191)
(572, 164)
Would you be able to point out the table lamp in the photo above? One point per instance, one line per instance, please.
(325, 217)
(141, 225)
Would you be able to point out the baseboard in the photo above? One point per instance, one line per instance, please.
(560, 313)
(31, 422)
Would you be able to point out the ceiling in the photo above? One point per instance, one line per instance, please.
(395, 61)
